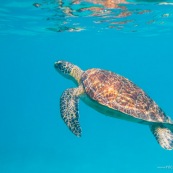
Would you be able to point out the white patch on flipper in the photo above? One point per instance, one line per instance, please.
(163, 135)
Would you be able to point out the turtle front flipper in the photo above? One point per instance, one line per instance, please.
(69, 109)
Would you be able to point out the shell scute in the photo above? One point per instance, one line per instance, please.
(119, 93)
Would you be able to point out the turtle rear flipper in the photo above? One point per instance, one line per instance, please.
(163, 135)
(69, 109)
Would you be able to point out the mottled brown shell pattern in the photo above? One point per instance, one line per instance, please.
(119, 93)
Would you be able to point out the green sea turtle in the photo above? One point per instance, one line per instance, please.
(112, 95)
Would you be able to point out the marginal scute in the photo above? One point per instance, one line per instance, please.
(118, 93)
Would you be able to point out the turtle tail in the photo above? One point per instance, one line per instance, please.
(163, 135)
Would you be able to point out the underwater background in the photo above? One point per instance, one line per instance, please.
(134, 40)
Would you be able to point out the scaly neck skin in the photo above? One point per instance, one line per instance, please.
(76, 73)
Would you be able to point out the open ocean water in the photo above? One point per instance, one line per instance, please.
(133, 39)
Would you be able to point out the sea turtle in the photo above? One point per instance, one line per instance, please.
(112, 95)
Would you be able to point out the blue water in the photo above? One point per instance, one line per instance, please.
(33, 137)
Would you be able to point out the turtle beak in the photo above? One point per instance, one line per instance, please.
(59, 65)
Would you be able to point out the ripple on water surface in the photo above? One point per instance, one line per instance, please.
(75, 16)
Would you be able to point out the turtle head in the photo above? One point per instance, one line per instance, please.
(64, 67)
(69, 70)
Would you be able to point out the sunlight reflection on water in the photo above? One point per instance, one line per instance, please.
(109, 14)
(74, 16)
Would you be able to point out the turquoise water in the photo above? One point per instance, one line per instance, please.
(33, 136)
